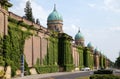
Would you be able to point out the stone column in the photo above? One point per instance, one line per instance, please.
(97, 62)
(8, 72)
(6, 24)
(41, 51)
(3, 21)
(32, 50)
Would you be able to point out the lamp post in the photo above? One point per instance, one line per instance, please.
(22, 65)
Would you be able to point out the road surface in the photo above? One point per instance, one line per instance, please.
(71, 76)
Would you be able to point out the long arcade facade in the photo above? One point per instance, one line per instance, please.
(51, 46)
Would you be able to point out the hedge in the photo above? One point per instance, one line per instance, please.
(69, 67)
(47, 69)
(103, 72)
(104, 77)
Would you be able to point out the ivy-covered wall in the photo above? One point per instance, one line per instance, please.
(85, 57)
(81, 60)
(52, 52)
(88, 58)
(2, 61)
(51, 58)
(101, 61)
(65, 58)
(13, 46)
(104, 62)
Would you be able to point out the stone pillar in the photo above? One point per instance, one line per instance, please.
(41, 51)
(32, 50)
(97, 61)
(6, 24)
(8, 72)
(3, 21)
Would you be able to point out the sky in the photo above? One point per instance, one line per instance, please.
(98, 20)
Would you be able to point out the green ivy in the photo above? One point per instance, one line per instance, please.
(101, 61)
(14, 46)
(64, 52)
(22, 24)
(81, 60)
(2, 62)
(88, 58)
(51, 57)
(104, 62)
(85, 56)
(5, 4)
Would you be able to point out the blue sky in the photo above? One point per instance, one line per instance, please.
(97, 19)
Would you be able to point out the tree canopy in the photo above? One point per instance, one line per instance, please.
(28, 12)
(117, 63)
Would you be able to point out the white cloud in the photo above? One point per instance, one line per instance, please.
(39, 12)
(70, 29)
(91, 5)
(113, 5)
(117, 28)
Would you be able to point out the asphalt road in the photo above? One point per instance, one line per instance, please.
(71, 76)
(116, 72)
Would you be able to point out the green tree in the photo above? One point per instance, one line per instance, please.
(28, 12)
(3, 1)
(117, 62)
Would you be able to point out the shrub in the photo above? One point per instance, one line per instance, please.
(103, 72)
(69, 67)
(46, 69)
(104, 77)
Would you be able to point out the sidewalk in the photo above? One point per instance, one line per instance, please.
(39, 76)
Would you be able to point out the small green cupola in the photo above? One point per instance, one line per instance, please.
(54, 15)
(90, 45)
(79, 38)
(96, 51)
(79, 35)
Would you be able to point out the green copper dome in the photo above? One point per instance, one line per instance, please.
(96, 50)
(79, 36)
(89, 45)
(54, 16)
